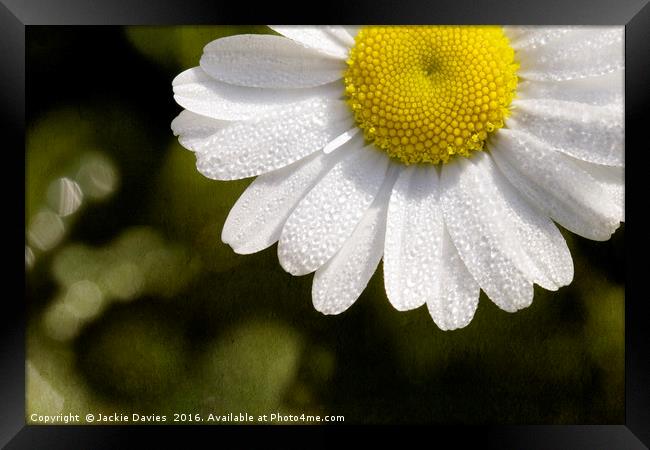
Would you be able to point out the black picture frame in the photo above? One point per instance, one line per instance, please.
(16, 15)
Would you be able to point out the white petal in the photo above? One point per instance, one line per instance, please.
(611, 180)
(341, 139)
(457, 300)
(193, 129)
(327, 216)
(548, 260)
(555, 184)
(522, 37)
(266, 61)
(514, 33)
(339, 283)
(273, 141)
(577, 53)
(413, 239)
(479, 233)
(346, 34)
(342, 34)
(603, 90)
(420, 261)
(199, 92)
(590, 133)
(329, 40)
(256, 220)
(352, 31)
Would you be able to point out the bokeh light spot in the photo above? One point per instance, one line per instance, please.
(45, 230)
(64, 196)
(60, 322)
(124, 281)
(29, 257)
(97, 176)
(84, 299)
(41, 397)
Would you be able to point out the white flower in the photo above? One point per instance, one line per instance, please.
(448, 151)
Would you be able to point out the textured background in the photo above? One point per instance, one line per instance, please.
(136, 306)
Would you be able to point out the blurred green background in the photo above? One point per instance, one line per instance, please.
(135, 305)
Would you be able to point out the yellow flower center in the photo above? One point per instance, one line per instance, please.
(425, 93)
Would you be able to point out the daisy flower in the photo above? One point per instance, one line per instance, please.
(448, 151)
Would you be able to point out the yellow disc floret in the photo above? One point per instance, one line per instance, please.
(425, 93)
